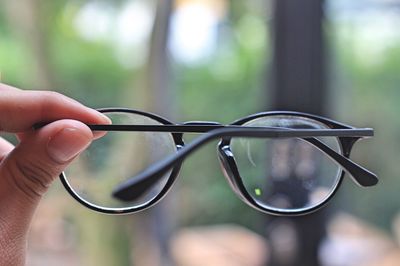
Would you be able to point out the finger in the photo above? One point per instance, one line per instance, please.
(26, 173)
(4, 87)
(20, 110)
(21, 136)
(29, 169)
(5, 148)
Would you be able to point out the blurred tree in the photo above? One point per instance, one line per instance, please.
(30, 23)
(224, 88)
(154, 227)
(298, 79)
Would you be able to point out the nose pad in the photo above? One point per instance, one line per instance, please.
(229, 167)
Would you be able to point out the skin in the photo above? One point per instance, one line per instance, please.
(28, 169)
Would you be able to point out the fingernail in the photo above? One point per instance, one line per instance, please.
(106, 119)
(66, 144)
(103, 119)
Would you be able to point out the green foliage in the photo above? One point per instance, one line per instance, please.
(228, 86)
(15, 62)
(369, 96)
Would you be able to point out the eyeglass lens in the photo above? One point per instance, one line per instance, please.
(117, 157)
(288, 174)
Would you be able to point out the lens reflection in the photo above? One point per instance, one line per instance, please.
(287, 174)
(116, 157)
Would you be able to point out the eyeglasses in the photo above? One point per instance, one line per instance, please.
(282, 163)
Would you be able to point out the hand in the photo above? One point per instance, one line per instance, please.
(27, 170)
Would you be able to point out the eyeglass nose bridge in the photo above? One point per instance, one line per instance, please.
(202, 123)
(202, 126)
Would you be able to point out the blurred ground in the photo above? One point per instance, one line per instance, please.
(350, 242)
(220, 245)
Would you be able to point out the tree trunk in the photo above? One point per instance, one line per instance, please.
(155, 225)
(298, 84)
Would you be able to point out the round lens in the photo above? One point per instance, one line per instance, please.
(286, 174)
(117, 157)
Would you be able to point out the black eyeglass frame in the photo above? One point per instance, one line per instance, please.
(346, 135)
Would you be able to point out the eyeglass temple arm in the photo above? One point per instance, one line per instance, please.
(137, 185)
(203, 128)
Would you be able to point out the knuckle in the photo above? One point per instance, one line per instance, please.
(51, 94)
(50, 101)
(48, 98)
(32, 179)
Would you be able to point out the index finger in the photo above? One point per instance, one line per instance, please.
(20, 110)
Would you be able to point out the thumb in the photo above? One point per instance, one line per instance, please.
(28, 170)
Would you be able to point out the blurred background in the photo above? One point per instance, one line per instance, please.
(218, 60)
